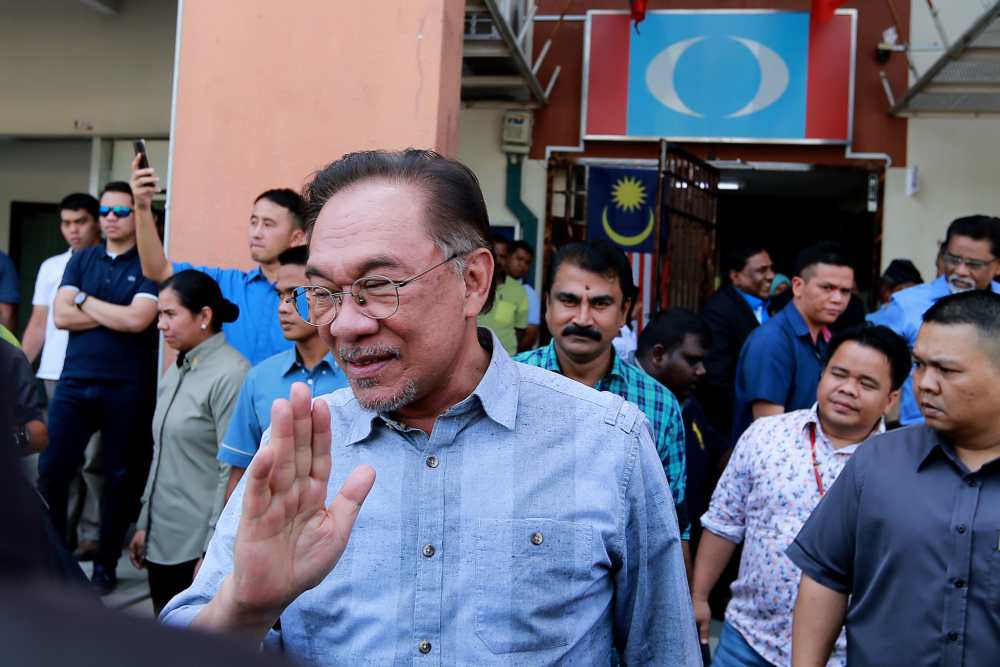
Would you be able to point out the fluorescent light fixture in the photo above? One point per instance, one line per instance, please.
(730, 185)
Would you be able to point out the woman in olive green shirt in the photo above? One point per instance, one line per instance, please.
(197, 395)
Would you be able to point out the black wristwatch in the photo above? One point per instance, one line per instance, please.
(79, 299)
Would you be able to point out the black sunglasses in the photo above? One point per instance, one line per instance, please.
(119, 211)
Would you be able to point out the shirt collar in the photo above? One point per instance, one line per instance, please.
(754, 301)
(496, 394)
(812, 417)
(799, 326)
(122, 255)
(191, 358)
(932, 446)
(291, 361)
(254, 274)
(550, 362)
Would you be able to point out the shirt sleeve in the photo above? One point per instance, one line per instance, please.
(71, 276)
(147, 289)
(213, 272)
(892, 316)
(726, 515)
(27, 400)
(654, 622)
(671, 448)
(222, 402)
(244, 431)
(521, 317)
(767, 370)
(824, 548)
(43, 286)
(10, 290)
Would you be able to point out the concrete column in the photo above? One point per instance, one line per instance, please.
(267, 92)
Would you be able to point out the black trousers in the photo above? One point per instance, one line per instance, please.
(123, 413)
(166, 581)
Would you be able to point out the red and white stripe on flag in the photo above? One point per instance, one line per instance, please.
(642, 276)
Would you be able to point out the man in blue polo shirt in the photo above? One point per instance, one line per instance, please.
(309, 361)
(108, 379)
(969, 256)
(781, 362)
(276, 224)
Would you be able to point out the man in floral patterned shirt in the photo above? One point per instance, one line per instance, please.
(779, 471)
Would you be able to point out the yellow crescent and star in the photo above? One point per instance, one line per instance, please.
(628, 194)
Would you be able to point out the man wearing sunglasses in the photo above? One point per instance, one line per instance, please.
(108, 379)
(308, 361)
(519, 516)
(275, 226)
(969, 257)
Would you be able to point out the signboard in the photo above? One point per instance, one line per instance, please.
(738, 76)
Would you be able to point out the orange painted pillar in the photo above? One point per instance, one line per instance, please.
(267, 92)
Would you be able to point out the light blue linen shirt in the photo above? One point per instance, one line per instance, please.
(904, 315)
(534, 526)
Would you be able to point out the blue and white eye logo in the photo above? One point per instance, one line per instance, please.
(725, 75)
(773, 77)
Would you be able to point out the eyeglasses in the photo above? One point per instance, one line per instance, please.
(376, 296)
(955, 261)
(119, 211)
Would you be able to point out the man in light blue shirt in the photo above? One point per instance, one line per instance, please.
(275, 225)
(969, 255)
(308, 361)
(518, 515)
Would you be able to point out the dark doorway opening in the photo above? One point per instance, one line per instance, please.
(34, 237)
(788, 209)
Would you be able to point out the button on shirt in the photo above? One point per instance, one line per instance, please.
(528, 452)
(269, 380)
(103, 353)
(765, 495)
(914, 538)
(780, 364)
(656, 402)
(256, 333)
(904, 315)
(193, 407)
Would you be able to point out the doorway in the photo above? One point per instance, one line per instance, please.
(34, 237)
(786, 210)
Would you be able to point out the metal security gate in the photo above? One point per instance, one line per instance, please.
(690, 203)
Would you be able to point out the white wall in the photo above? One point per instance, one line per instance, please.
(61, 61)
(39, 171)
(957, 157)
(480, 148)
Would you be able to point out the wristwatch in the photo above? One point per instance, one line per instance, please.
(79, 299)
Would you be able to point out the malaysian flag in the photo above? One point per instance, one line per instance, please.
(642, 276)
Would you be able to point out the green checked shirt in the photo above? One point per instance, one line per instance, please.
(655, 401)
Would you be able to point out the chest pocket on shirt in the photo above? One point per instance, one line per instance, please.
(504, 312)
(529, 573)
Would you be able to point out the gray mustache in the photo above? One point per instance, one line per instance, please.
(351, 355)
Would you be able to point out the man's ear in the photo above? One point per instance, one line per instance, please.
(478, 277)
(658, 354)
(297, 238)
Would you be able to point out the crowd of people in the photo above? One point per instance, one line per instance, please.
(492, 474)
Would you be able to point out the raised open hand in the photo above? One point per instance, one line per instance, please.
(288, 538)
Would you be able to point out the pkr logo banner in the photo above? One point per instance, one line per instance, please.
(753, 76)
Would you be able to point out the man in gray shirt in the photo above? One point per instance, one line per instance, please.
(518, 516)
(906, 545)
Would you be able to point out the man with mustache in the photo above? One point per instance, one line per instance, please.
(969, 260)
(517, 517)
(309, 361)
(780, 469)
(589, 294)
(905, 548)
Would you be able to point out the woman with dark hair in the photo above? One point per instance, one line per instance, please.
(197, 395)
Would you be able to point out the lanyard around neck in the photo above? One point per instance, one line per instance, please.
(812, 447)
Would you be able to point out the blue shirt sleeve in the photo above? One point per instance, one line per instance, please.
(650, 581)
(891, 315)
(213, 272)
(71, 275)
(10, 290)
(767, 369)
(824, 548)
(243, 435)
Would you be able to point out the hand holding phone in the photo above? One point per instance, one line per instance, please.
(140, 150)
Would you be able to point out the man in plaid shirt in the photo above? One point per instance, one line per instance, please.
(588, 298)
